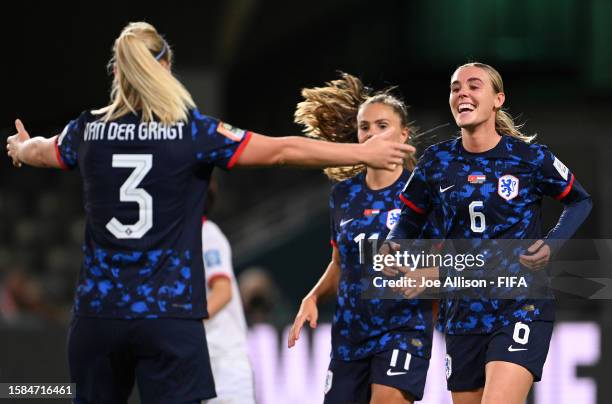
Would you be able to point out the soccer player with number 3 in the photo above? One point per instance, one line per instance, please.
(146, 160)
(489, 184)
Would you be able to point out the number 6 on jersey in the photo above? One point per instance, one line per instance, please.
(129, 192)
(477, 216)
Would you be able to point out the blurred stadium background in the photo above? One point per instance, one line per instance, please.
(245, 61)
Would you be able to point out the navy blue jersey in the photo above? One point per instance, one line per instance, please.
(144, 189)
(492, 195)
(365, 326)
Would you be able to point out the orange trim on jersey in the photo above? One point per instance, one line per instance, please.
(215, 277)
(333, 243)
(239, 150)
(566, 190)
(63, 165)
(411, 205)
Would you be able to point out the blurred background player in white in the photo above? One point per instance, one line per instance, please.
(226, 329)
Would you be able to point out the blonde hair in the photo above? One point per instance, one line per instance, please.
(504, 123)
(330, 113)
(141, 82)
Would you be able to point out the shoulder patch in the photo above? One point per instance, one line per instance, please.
(561, 168)
(230, 132)
(212, 258)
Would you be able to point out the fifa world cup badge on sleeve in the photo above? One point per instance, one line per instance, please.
(561, 168)
(508, 186)
(230, 132)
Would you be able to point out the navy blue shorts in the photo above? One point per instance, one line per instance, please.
(525, 344)
(168, 358)
(350, 381)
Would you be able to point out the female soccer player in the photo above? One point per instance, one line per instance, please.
(380, 347)
(146, 160)
(488, 184)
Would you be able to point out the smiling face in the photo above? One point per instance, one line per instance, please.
(473, 99)
(374, 118)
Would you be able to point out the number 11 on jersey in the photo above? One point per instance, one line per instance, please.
(359, 240)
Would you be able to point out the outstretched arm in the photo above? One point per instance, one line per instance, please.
(378, 152)
(326, 286)
(37, 152)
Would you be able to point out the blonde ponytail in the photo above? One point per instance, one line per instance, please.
(504, 123)
(141, 82)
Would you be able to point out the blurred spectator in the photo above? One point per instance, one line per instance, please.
(22, 300)
(261, 297)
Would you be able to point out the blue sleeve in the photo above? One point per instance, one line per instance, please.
(333, 231)
(557, 181)
(553, 178)
(416, 194)
(416, 197)
(578, 204)
(408, 226)
(216, 142)
(68, 142)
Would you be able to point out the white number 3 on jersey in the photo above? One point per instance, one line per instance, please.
(129, 192)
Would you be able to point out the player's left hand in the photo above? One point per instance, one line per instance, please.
(538, 257)
(13, 143)
(383, 151)
(389, 247)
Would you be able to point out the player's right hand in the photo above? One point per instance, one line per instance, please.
(13, 143)
(382, 151)
(308, 312)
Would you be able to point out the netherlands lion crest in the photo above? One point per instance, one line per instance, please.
(392, 217)
(508, 186)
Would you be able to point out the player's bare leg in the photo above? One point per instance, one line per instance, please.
(507, 383)
(389, 395)
(467, 397)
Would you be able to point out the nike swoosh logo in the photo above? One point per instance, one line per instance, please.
(511, 349)
(343, 222)
(445, 189)
(392, 373)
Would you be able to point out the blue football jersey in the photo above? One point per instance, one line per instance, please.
(144, 186)
(492, 195)
(362, 325)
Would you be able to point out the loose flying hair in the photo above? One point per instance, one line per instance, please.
(141, 82)
(330, 113)
(504, 123)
